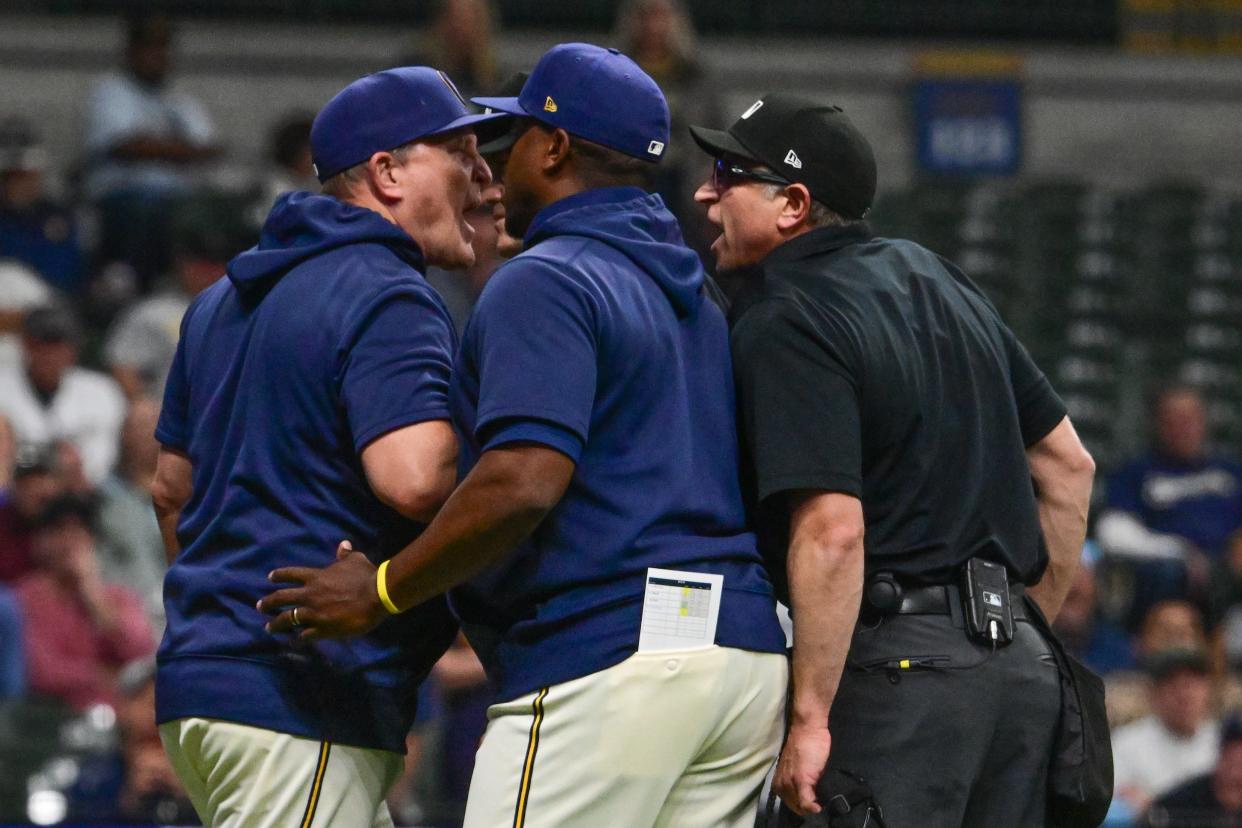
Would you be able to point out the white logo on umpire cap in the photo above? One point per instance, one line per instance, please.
(753, 109)
(792, 159)
(655, 148)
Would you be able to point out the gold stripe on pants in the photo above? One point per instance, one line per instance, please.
(528, 769)
(312, 801)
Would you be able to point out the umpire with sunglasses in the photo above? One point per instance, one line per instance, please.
(914, 474)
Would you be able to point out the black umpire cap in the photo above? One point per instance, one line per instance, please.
(804, 142)
(511, 88)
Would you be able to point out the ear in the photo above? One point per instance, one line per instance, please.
(383, 174)
(797, 207)
(557, 152)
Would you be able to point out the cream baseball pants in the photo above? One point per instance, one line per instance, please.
(239, 776)
(681, 739)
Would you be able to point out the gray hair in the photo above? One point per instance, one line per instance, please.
(820, 215)
(346, 180)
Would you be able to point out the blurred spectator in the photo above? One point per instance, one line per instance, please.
(80, 630)
(465, 695)
(35, 486)
(1171, 625)
(460, 289)
(141, 344)
(1213, 800)
(34, 229)
(452, 716)
(496, 153)
(1171, 510)
(1099, 643)
(71, 469)
(459, 42)
(659, 35)
(1177, 741)
(21, 289)
(143, 140)
(12, 646)
(130, 549)
(54, 399)
(1225, 601)
(289, 166)
(134, 784)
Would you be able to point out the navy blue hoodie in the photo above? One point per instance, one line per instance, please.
(600, 341)
(323, 337)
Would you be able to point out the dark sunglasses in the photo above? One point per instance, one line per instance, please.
(726, 174)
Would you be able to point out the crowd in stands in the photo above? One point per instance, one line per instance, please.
(99, 262)
(1154, 610)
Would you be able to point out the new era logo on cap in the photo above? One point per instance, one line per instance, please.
(833, 159)
(655, 148)
(549, 105)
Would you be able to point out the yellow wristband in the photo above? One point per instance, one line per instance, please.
(381, 576)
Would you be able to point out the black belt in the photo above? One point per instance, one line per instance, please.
(945, 599)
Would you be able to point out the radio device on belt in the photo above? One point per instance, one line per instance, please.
(986, 601)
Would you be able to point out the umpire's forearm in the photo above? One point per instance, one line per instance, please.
(1063, 519)
(501, 501)
(1063, 472)
(826, 583)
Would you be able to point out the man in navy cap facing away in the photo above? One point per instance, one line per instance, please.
(308, 399)
(597, 550)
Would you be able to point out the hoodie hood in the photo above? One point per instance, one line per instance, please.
(635, 223)
(304, 225)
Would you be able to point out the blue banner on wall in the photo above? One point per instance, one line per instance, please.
(968, 126)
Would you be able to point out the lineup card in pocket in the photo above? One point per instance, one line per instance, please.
(680, 610)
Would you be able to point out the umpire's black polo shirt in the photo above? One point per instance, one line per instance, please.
(874, 367)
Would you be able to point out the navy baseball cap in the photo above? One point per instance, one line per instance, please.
(594, 93)
(386, 110)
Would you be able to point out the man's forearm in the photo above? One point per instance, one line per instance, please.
(496, 507)
(167, 519)
(1063, 472)
(170, 491)
(1063, 519)
(826, 584)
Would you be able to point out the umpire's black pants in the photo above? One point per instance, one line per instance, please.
(943, 748)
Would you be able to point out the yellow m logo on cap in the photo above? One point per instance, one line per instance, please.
(549, 105)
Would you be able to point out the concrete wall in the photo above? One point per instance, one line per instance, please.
(1116, 119)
